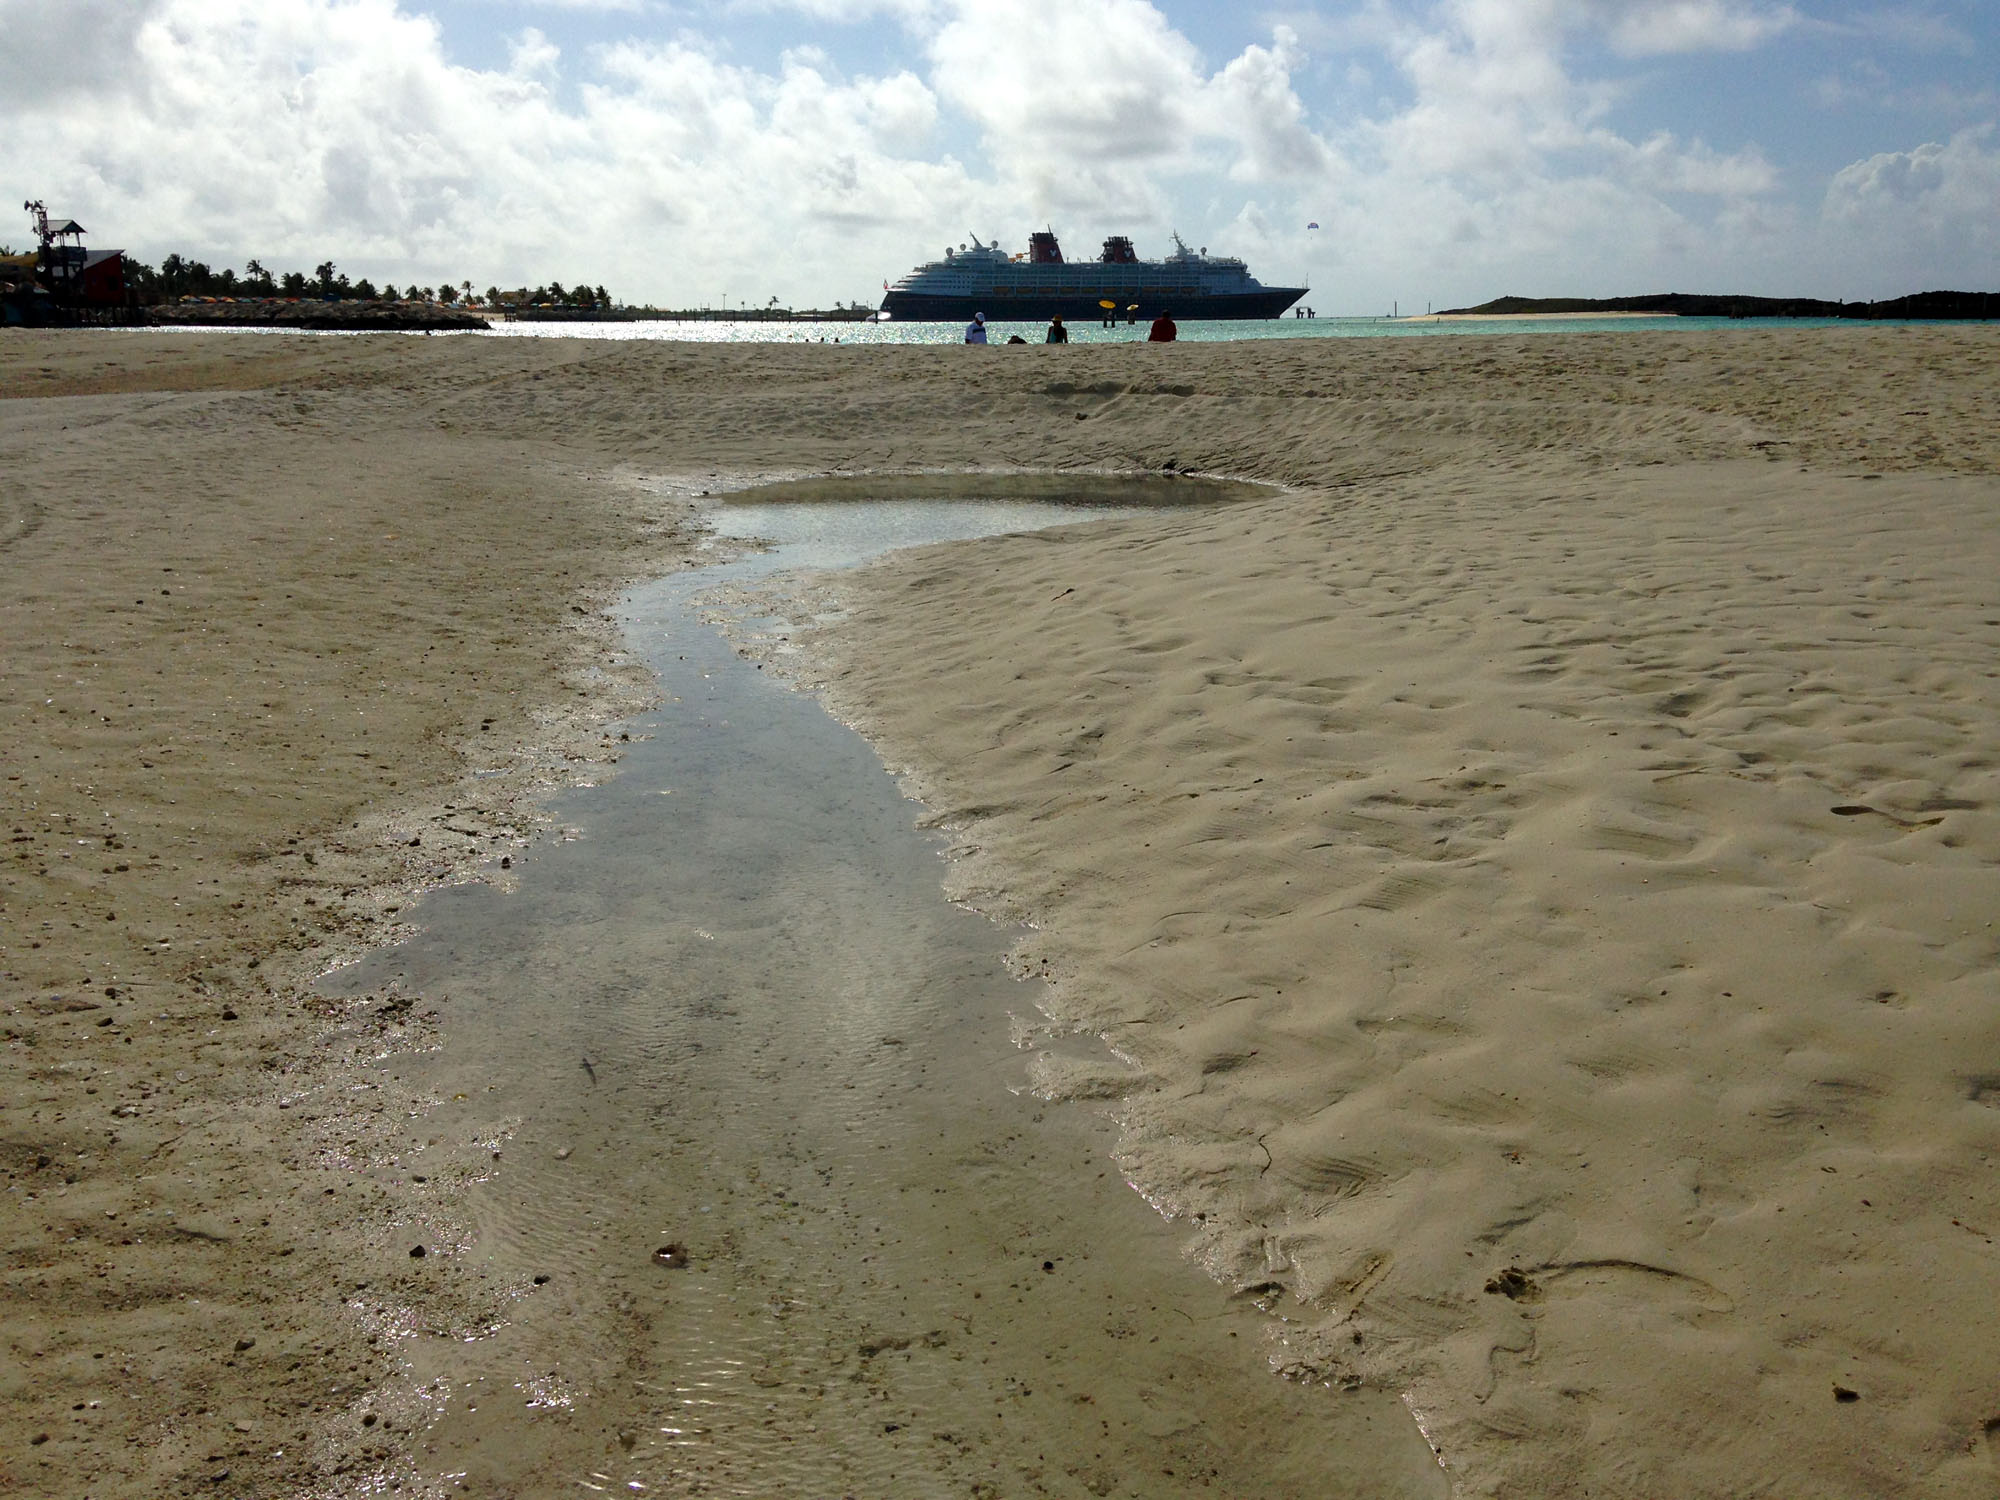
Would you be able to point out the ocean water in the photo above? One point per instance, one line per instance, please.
(1212, 331)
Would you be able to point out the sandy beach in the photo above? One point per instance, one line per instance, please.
(1537, 866)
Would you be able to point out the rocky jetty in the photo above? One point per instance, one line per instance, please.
(351, 315)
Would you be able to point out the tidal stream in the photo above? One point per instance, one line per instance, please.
(754, 1167)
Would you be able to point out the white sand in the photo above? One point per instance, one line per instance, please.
(1457, 858)
(1451, 842)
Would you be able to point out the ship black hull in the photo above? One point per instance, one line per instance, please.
(917, 307)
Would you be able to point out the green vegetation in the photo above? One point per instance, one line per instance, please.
(178, 277)
(552, 295)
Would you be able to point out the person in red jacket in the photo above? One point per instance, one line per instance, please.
(1164, 331)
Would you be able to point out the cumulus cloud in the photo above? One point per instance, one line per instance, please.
(1662, 163)
(1490, 96)
(913, 12)
(51, 52)
(1919, 219)
(1496, 113)
(532, 55)
(304, 128)
(1670, 26)
(1481, 152)
(1096, 84)
(627, 7)
(1252, 103)
(1948, 189)
(1088, 107)
(292, 130)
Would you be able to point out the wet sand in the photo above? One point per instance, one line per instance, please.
(1465, 846)
(730, 1123)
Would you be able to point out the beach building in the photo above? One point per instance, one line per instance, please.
(64, 274)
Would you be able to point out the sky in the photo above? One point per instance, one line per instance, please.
(711, 152)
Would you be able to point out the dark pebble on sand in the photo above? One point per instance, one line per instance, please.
(229, 1015)
(416, 1252)
(673, 1255)
(506, 861)
(1843, 1394)
(243, 1344)
(541, 1281)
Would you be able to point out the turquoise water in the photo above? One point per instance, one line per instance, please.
(1207, 332)
(1217, 331)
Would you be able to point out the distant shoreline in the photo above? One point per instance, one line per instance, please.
(1524, 317)
(1922, 306)
(371, 315)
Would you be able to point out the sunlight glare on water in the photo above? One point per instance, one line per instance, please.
(1214, 331)
(771, 1206)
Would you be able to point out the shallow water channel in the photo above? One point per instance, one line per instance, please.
(732, 1018)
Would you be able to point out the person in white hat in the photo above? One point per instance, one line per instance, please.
(975, 331)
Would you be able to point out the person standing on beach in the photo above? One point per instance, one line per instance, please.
(1164, 331)
(975, 331)
(1057, 334)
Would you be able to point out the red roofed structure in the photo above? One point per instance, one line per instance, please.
(72, 275)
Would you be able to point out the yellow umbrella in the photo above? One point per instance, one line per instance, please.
(1107, 302)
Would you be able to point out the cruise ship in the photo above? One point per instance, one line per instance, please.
(1039, 284)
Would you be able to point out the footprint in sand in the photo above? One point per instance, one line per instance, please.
(1611, 1279)
(1398, 891)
